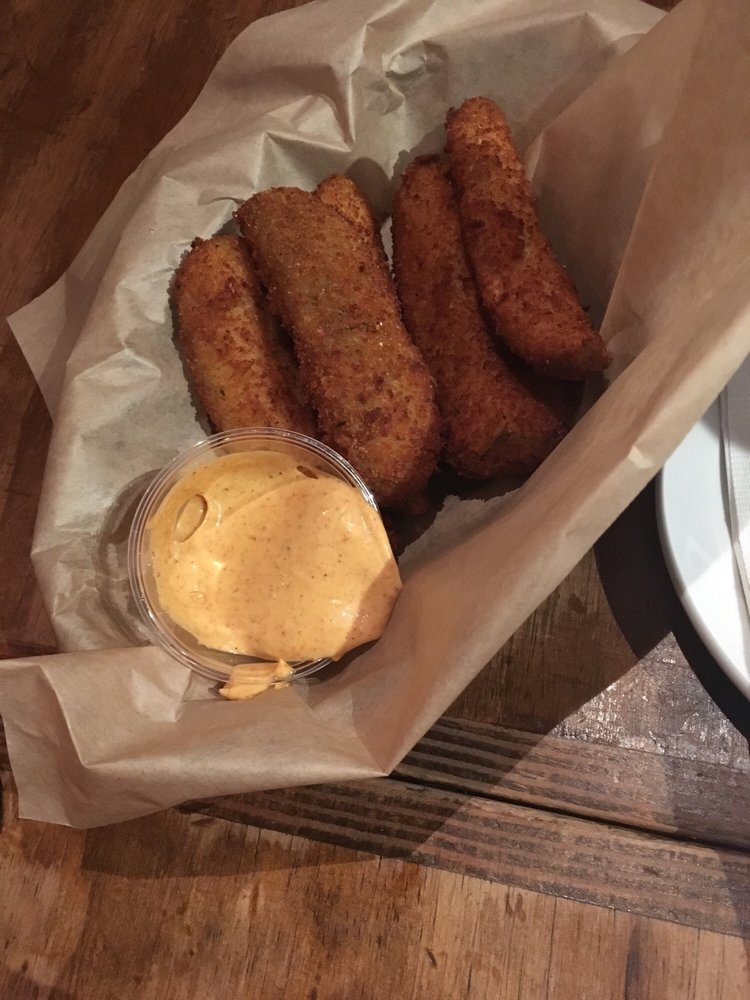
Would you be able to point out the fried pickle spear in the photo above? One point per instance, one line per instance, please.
(368, 384)
(243, 373)
(522, 285)
(493, 425)
(341, 193)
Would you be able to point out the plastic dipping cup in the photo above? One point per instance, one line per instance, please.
(216, 664)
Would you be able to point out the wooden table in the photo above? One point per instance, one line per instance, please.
(577, 825)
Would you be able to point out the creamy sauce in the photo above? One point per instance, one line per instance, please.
(248, 680)
(253, 553)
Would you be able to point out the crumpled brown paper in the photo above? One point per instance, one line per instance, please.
(637, 138)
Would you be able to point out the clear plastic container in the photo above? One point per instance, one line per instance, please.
(216, 664)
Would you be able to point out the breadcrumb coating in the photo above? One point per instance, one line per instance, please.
(243, 372)
(494, 426)
(522, 285)
(341, 193)
(368, 384)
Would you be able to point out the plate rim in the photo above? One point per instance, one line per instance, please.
(738, 675)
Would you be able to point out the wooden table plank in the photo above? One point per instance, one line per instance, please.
(651, 791)
(88, 89)
(280, 916)
(24, 626)
(533, 849)
(722, 967)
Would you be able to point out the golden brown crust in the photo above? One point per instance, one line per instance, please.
(494, 426)
(243, 373)
(523, 286)
(341, 193)
(367, 382)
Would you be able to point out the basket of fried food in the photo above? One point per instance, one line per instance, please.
(466, 351)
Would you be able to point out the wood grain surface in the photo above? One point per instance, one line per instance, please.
(529, 848)
(187, 906)
(576, 826)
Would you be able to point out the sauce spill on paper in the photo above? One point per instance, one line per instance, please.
(248, 680)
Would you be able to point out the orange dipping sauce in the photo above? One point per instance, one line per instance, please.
(257, 554)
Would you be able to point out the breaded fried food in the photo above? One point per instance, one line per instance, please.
(341, 193)
(493, 425)
(522, 285)
(368, 384)
(562, 396)
(243, 372)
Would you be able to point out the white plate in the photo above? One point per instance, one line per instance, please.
(694, 529)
